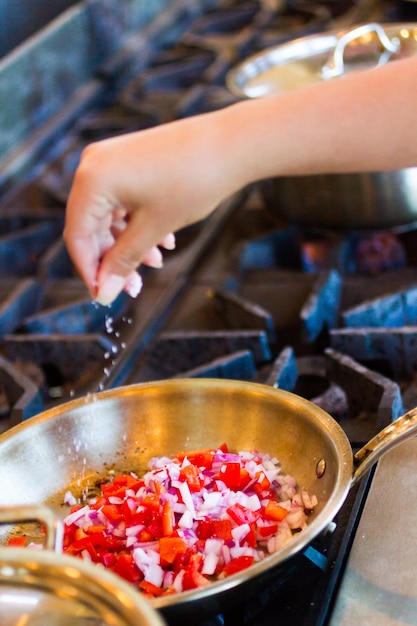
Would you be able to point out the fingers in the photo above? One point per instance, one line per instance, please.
(168, 242)
(109, 289)
(93, 228)
(133, 284)
(153, 258)
(109, 285)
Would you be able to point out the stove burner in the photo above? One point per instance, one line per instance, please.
(367, 254)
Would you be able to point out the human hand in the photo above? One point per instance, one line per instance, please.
(131, 193)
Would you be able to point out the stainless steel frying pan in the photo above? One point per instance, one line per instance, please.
(73, 445)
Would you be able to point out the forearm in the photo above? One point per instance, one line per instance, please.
(363, 122)
(130, 191)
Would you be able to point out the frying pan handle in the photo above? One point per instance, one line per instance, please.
(27, 513)
(403, 428)
(335, 65)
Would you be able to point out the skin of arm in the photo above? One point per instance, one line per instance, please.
(130, 192)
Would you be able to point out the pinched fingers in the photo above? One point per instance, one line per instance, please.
(110, 282)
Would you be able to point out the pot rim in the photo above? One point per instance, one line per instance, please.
(301, 49)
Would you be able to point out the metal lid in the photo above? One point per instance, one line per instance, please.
(317, 58)
(44, 586)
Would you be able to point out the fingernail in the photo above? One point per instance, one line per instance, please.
(154, 258)
(109, 289)
(169, 242)
(133, 285)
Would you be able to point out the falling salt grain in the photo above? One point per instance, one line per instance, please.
(108, 321)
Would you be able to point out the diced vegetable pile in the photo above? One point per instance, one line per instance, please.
(191, 519)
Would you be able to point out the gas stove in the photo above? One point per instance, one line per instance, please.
(245, 295)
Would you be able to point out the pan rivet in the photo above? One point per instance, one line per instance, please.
(320, 468)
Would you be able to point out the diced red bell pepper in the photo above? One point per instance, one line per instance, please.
(151, 501)
(199, 458)
(167, 519)
(267, 530)
(120, 484)
(113, 513)
(17, 542)
(244, 478)
(250, 538)
(80, 544)
(230, 474)
(98, 502)
(129, 481)
(150, 589)
(262, 484)
(98, 540)
(170, 547)
(181, 560)
(275, 511)
(221, 529)
(191, 475)
(95, 528)
(204, 529)
(131, 516)
(241, 514)
(154, 525)
(108, 559)
(192, 576)
(94, 555)
(144, 535)
(238, 564)
(126, 568)
(79, 533)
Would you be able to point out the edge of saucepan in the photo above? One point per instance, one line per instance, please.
(335, 500)
(237, 77)
(103, 590)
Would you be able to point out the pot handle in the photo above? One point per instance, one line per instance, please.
(401, 429)
(31, 513)
(335, 65)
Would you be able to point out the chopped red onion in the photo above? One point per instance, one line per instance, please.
(77, 516)
(69, 499)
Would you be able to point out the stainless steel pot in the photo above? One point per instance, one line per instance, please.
(75, 444)
(358, 201)
(47, 587)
